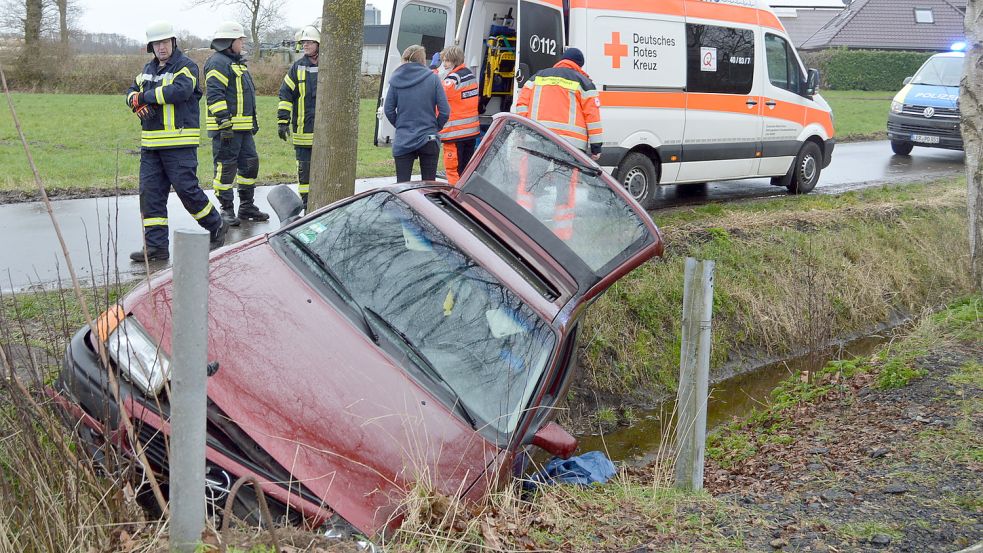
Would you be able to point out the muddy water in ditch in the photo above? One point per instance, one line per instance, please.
(642, 441)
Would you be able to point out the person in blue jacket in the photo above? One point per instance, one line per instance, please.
(165, 97)
(417, 107)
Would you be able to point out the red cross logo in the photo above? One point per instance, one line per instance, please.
(616, 50)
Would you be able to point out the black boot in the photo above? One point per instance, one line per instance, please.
(247, 209)
(151, 254)
(303, 198)
(226, 199)
(217, 236)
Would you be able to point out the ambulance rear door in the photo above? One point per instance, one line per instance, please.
(541, 37)
(429, 23)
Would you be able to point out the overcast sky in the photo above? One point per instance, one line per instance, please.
(131, 18)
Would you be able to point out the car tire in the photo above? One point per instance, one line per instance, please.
(808, 166)
(901, 147)
(640, 177)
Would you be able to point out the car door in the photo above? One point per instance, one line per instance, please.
(783, 108)
(561, 203)
(541, 38)
(429, 23)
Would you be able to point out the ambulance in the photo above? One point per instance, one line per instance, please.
(691, 90)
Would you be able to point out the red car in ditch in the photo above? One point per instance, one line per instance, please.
(419, 333)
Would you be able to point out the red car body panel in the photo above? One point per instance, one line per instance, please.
(325, 402)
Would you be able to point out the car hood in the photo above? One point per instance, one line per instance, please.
(935, 96)
(317, 395)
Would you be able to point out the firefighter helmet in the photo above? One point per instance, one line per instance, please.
(159, 30)
(309, 32)
(226, 33)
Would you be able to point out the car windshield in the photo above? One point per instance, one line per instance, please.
(940, 71)
(485, 344)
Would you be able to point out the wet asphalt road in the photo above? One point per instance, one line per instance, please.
(101, 232)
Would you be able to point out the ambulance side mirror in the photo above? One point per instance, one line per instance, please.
(906, 80)
(812, 83)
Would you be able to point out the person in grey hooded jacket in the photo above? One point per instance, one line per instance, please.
(417, 107)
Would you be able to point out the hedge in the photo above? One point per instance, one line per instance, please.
(844, 69)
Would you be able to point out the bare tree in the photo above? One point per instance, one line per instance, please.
(970, 100)
(37, 19)
(256, 15)
(334, 155)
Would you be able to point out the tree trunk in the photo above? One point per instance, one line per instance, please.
(33, 13)
(63, 22)
(254, 28)
(971, 106)
(334, 155)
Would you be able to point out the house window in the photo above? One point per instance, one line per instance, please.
(924, 15)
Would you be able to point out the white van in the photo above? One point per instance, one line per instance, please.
(691, 90)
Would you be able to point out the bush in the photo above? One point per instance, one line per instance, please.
(844, 69)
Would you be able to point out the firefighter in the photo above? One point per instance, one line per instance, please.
(231, 99)
(165, 97)
(295, 113)
(564, 100)
(460, 132)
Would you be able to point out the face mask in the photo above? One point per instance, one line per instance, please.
(442, 72)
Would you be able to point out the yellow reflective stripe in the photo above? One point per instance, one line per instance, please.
(159, 94)
(303, 139)
(168, 108)
(285, 105)
(187, 72)
(219, 186)
(289, 82)
(301, 100)
(173, 133)
(215, 74)
(155, 222)
(239, 70)
(245, 181)
(218, 106)
(557, 81)
(169, 143)
(303, 188)
(203, 212)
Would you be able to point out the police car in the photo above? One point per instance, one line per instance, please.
(926, 111)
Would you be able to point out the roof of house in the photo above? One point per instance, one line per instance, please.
(375, 34)
(801, 24)
(890, 25)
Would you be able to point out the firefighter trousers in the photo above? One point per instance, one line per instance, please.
(235, 162)
(303, 154)
(161, 169)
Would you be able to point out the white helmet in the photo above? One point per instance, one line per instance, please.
(159, 30)
(226, 34)
(309, 32)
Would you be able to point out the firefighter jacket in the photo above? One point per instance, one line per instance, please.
(461, 89)
(172, 90)
(564, 100)
(297, 96)
(229, 92)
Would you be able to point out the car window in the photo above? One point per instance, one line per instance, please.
(940, 71)
(566, 196)
(783, 67)
(481, 338)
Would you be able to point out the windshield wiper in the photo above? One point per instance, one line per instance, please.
(425, 364)
(590, 171)
(337, 284)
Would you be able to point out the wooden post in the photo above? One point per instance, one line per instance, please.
(694, 374)
(188, 389)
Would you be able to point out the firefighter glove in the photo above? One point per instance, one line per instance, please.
(225, 130)
(142, 110)
(283, 130)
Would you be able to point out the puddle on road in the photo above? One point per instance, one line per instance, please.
(730, 398)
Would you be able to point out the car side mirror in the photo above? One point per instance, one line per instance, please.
(555, 440)
(286, 203)
(812, 83)
(906, 81)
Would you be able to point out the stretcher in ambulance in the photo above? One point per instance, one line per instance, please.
(691, 90)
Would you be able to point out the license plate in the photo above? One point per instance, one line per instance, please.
(924, 138)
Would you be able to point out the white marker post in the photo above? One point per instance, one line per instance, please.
(694, 374)
(189, 347)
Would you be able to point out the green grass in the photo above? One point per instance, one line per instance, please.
(859, 115)
(75, 138)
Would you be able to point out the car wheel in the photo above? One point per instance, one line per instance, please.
(808, 166)
(640, 177)
(901, 147)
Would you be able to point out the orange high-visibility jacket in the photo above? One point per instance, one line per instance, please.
(461, 89)
(564, 100)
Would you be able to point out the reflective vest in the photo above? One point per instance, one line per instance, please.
(461, 89)
(173, 92)
(564, 100)
(229, 92)
(298, 93)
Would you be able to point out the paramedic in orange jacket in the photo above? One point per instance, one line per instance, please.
(564, 100)
(461, 130)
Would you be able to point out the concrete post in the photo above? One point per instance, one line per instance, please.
(694, 374)
(188, 389)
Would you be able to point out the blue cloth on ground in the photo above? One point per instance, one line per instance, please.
(589, 468)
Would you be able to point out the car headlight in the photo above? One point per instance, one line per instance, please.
(139, 359)
(896, 106)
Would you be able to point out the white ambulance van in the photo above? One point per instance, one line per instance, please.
(691, 90)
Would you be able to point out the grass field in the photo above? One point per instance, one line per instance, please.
(75, 139)
(859, 115)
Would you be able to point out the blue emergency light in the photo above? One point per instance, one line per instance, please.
(958, 46)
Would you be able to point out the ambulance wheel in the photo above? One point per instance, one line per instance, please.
(808, 165)
(901, 147)
(640, 177)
